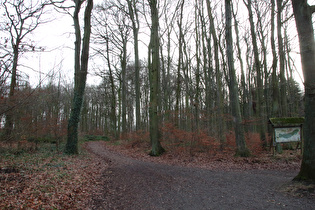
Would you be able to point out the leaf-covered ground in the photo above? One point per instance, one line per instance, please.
(289, 160)
(46, 179)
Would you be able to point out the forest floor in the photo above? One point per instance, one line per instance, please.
(120, 175)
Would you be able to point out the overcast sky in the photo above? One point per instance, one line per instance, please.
(58, 39)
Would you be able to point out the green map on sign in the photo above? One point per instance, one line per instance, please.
(288, 134)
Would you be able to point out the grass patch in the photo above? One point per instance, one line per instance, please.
(96, 138)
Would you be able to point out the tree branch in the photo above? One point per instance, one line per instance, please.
(312, 9)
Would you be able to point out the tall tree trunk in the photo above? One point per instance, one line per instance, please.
(244, 86)
(303, 18)
(154, 68)
(133, 13)
(124, 86)
(283, 85)
(179, 65)
(259, 85)
(9, 115)
(274, 77)
(218, 77)
(233, 87)
(264, 69)
(197, 72)
(113, 103)
(80, 74)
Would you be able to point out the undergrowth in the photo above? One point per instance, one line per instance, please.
(191, 142)
(45, 178)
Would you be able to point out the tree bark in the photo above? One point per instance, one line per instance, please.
(179, 65)
(274, 78)
(154, 67)
(133, 13)
(234, 96)
(218, 77)
(124, 85)
(244, 86)
(259, 85)
(80, 75)
(303, 18)
(283, 85)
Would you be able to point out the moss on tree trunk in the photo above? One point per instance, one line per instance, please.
(79, 75)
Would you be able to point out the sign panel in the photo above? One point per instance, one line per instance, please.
(292, 134)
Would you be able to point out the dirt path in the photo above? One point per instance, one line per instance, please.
(135, 184)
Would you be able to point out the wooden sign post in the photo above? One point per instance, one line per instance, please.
(287, 130)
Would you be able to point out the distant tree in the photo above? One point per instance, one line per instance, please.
(303, 18)
(274, 78)
(218, 77)
(80, 73)
(22, 18)
(281, 50)
(133, 14)
(180, 62)
(257, 63)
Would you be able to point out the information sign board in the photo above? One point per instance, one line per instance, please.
(291, 134)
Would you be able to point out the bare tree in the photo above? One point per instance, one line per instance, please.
(283, 85)
(80, 73)
(154, 68)
(259, 79)
(23, 17)
(233, 87)
(180, 62)
(133, 14)
(274, 78)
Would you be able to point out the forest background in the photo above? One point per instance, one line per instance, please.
(194, 97)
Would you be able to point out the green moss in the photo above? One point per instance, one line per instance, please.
(96, 138)
(287, 121)
(156, 153)
(242, 153)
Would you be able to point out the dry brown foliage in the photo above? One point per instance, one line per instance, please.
(48, 180)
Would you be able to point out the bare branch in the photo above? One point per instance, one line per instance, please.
(312, 9)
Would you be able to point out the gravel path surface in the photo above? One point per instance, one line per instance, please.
(133, 184)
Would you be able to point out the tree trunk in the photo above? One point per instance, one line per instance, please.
(179, 66)
(303, 18)
(80, 75)
(154, 68)
(9, 115)
(244, 86)
(234, 96)
(259, 85)
(283, 88)
(133, 13)
(218, 77)
(124, 86)
(197, 72)
(274, 78)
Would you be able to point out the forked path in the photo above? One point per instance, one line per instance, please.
(135, 184)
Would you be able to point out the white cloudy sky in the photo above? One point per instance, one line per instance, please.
(58, 40)
(57, 37)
